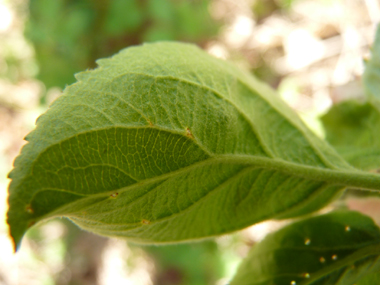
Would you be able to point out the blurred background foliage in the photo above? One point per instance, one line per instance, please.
(311, 51)
(68, 36)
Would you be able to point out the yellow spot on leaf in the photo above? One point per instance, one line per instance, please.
(29, 209)
(189, 133)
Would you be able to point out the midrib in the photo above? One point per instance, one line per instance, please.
(348, 178)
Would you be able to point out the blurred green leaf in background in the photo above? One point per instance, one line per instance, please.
(68, 36)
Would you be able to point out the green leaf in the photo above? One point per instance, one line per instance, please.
(370, 279)
(164, 143)
(353, 129)
(371, 76)
(123, 16)
(337, 248)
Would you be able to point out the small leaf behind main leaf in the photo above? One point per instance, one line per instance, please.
(371, 74)
(353, 128)
(164, 143)
(337, 248)
(370, 279)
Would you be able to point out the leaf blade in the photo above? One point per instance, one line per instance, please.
(162, 113)
(372, 68)
(352, 128)
(336, 248)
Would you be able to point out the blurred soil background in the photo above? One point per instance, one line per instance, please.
(311, 51)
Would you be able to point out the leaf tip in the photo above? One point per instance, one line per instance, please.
(16, 246)
(17, 237)
(19, 219)
(16, 241)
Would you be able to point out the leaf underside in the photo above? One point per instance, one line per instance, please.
(338, 248)
(164, 143)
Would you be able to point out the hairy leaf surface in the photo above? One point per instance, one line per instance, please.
(164, 143)
(338, 248)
